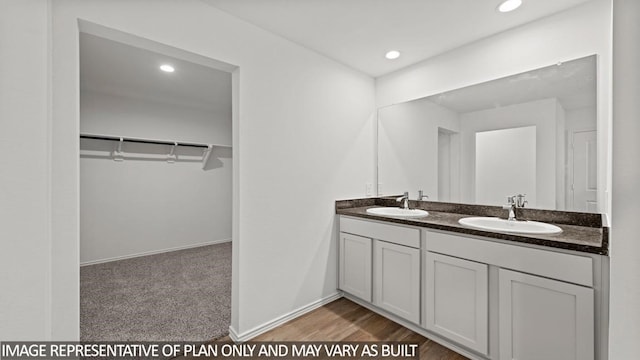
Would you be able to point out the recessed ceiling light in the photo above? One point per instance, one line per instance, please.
(509, 5)
(393, 54)
(167, 68)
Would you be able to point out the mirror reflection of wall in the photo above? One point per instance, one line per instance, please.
(408, 146)
(505, 164)
(542, 115)
(431, 144)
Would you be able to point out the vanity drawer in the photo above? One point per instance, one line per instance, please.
(556, 265)
(400, 235)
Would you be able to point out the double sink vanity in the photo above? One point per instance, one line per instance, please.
(488, 288)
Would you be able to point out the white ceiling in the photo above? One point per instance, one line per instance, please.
(359, 32)
(115, 68)
(354, 32)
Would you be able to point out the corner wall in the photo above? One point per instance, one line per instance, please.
(625, 228)
(25, 207)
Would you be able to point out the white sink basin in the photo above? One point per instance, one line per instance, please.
(397, 212)
(497, 224)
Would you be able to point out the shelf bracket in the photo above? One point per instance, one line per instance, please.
(117, 153)
(206, 154)
(171, 158)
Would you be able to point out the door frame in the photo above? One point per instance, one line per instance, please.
(569, 193)
(65, 162)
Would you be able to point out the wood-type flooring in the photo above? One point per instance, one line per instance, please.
(344, 320)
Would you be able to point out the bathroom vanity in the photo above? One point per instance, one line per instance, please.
(485, 294)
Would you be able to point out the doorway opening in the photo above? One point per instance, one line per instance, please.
(155, 193)
(448, 164)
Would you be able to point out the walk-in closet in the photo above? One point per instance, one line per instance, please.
(155, 192)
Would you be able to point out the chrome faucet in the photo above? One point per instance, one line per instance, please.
(404, 198)
(520, 201)
(513, 202)
(511, 205)
(421, 195)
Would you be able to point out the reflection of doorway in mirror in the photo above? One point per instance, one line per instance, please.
(583, 187)
(448, 164)
(506, 165)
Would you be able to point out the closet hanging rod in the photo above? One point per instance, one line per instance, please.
(141, 141)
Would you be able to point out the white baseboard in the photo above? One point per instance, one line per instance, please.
(233, 334)
(248, 335)
(153, 252)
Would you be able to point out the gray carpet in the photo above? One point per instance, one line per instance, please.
(182, 295)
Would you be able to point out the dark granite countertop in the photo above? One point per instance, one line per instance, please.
(580, 231)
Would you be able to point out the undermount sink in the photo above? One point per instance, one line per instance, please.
(397, 212)
(498, 224)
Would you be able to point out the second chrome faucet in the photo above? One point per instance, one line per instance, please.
(513, 202)
(405, 199)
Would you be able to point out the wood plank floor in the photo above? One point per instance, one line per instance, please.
(344, 320)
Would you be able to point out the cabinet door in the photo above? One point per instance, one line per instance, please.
(546, 319)
(397, 279)
(355, 265)
(457, 300)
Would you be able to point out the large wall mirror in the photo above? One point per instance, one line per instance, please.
(532, 133)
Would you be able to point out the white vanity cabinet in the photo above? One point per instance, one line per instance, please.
(485, 298)
(457, 300)
(546, 319)
(385, 258)
(355, 265)
(543, 302)
(397, 279)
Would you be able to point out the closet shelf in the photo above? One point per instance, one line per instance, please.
(147, 141)
(118, 155)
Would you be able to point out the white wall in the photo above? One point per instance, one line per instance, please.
(625, 227)
(539, 113)
(408, 146)
(584, 118)
(578, 32)
(302, 139)
(137, 207)
(103, 113)
(25, 254)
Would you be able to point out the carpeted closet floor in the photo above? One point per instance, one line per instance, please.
(182, 295)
